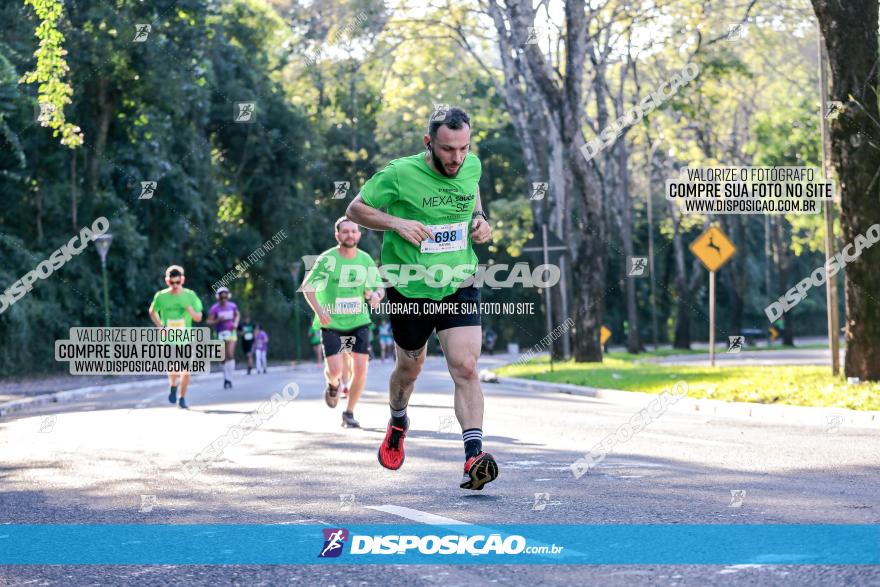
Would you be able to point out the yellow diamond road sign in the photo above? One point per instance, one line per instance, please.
(604, 334)
(713, 248)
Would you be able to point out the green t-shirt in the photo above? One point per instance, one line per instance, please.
(340, 286)
(409, 188)
(172, 308)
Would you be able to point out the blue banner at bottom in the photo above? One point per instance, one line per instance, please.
(233, 544)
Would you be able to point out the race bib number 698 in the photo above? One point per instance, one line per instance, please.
(445, 238)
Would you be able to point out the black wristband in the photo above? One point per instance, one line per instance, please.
(480, 213)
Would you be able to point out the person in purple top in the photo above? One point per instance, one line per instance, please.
(224, 317)
(261, 346)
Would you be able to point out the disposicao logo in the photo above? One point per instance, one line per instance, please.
(334, 540)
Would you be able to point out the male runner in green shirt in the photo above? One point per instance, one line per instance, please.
(176, 307)
(337, 289)
(433, 216)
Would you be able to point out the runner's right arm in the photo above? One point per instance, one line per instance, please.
(312, 299)
(362, 213)
(154, 316)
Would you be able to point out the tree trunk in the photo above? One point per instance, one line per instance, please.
(851, 39)
(73, 198)
(782, 259)
(633, 340)
(682, 337)
(104, 115)
(562, 101)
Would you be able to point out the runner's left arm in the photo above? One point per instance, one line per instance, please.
(481, 232)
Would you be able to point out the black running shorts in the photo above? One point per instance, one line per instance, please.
(346, 341)
(414, 319)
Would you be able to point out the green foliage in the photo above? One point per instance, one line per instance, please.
(792, 385)
(51, 68)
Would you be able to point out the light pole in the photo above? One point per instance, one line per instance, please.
(294, 273)
(102, 243)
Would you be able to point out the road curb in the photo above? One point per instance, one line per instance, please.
(19, 405)
(827, 418)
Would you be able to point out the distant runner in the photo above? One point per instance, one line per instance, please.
(434, 214)
(261, 347)
(224, 317)
(386, 342)
(246, 331)
(315, 343)
(342, 313)
(176, 307)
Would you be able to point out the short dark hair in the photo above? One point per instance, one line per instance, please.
(455, 118)
(340, 220)
(174, 271)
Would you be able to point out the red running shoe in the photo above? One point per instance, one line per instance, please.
(478, 471)
(391, 450)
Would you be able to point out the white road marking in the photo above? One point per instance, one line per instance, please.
(417, 515)
(435, 520)
(687, 440)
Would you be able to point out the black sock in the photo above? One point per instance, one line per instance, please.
(173, 389)
(399, 419)
(473, 442)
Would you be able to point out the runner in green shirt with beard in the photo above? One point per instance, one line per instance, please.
(176, 307)
(338, 289)
(434, 214)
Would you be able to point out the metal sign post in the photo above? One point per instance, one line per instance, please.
(545, 249)
(713, 249)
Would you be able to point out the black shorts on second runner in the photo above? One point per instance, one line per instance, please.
(414, 319)
(346, 341)
(247, 346)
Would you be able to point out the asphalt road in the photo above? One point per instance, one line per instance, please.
(93, 461)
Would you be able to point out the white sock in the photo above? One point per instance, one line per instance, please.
(232, 368)
(227, 372)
